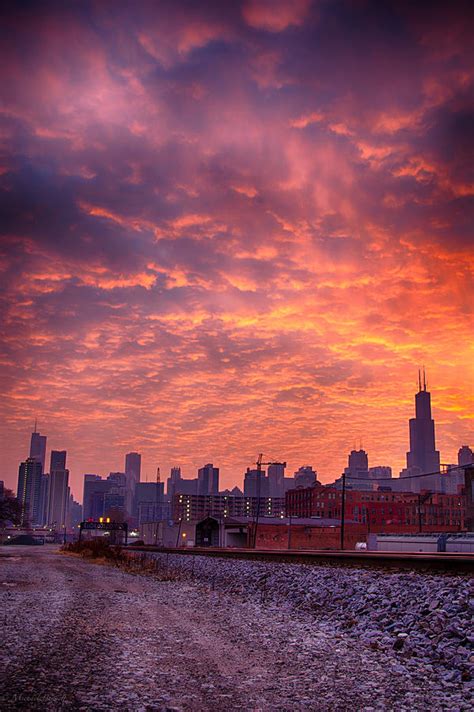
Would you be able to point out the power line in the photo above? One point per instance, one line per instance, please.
(408, 477)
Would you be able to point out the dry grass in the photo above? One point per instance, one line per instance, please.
(101, 552)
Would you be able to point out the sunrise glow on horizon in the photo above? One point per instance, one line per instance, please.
(232, 228)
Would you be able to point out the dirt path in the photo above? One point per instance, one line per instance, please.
(78, 635)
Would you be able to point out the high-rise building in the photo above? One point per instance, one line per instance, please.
(172, 481)
(380, 472)
(58, 490)
(114, 505)
(305, 476)
(276, 479)
(38, 448)
(465, 456)
(208, 479)
(29, 490)
(423, 454)
(44, 499)
(115, 499)
(358, 465)
(133, 463)
(58, 460)
(149, 502)
(179, 485)
(256, 483)
(118, 480)
(175, 473)
(95, 489)
(58, 498)
(357, 472)
(74, 513)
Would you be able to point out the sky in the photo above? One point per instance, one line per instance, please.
(234, 227)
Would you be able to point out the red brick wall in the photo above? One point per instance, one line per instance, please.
(381, 509)
(276, 536)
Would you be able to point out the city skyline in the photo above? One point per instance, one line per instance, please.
(233, 228)
(421, 435)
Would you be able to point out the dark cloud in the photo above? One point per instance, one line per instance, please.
(212, 210)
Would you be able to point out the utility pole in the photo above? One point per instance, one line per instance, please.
(158, 479)
(179, 532)
(259, 464)
(421, 500)
(343, 508)
(259, 488)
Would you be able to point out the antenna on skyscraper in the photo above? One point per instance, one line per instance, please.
(424, 379)
(419, 379)
(36, 423)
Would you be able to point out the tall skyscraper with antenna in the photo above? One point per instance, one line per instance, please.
(423, 453)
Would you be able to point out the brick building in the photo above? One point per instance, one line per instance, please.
(381, 511)
(304, 534)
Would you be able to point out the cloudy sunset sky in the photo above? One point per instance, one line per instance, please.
(235, 227)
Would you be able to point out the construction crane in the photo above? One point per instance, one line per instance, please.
(261, 464)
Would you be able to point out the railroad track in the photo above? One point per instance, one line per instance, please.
(448, 562)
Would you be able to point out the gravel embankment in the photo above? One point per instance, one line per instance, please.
(424, 616)
(230, 635)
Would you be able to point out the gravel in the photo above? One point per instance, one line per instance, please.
(231, 635)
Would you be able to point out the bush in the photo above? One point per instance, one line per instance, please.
(97, 548)
(143, 564)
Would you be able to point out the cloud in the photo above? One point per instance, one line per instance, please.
(230, 226)
(275, 15)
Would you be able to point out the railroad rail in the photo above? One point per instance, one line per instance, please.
(447, 562)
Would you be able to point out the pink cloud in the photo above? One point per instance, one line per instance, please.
(235, 223)
(275, 15)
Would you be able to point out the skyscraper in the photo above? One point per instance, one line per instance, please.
(38, 447)
(58, 460)
(208, 479)
(149, 502)
(58, 498)
(133, 463)
(44, 499)
(357, 471)
(256, 483)
(423, 454)
(305, 476)
(465, 455)
(29, 490)
(358, 465)
(276, 479)
(172, 482)
(58, 494)
(95, 489)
